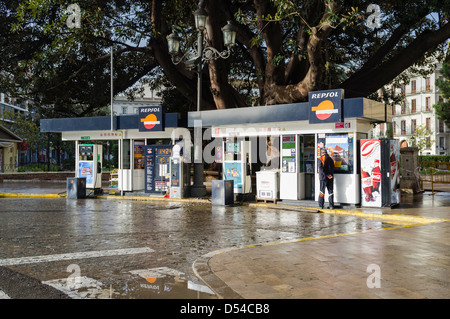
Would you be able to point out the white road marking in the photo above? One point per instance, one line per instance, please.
(86, 288)
(70, 256)
(4, 296)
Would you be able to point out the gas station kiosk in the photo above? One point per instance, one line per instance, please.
(134, 133)
(327, 120)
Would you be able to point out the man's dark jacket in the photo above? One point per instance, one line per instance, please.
(326, 167)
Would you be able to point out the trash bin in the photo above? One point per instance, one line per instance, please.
(222, 192)
(76, 187)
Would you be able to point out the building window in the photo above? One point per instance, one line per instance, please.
(427, 84)
(428, 143)
(413, 86)
(124, 110)
(413, 106)
(428, 124)
(403, 89)
(441, 99)
(393, 108)
(394, 128)
(403, 107)
(413, 126)
(441, 126)
(427, 103)
(403, 127)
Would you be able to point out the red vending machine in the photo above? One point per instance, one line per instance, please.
(380, 172)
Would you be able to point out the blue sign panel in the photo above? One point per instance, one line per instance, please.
(150, 118)
(325, 106)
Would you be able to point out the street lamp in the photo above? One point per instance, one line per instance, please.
(202, 52)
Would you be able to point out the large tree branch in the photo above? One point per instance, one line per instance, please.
(299, 91)
(384, 50)
(375, 78)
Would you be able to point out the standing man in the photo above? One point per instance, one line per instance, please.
(326, 176)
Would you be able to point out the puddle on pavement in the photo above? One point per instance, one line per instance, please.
(155, 283)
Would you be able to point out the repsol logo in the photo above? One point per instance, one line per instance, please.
(149, 110)
(324, 95)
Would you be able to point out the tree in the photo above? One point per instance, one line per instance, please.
(284, 48)
(422, 138)
(443, 108)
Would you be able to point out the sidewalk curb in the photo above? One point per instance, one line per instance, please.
(358, 213)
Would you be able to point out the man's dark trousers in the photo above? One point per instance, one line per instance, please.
(328, 184)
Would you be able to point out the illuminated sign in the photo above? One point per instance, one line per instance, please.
(325, 106)
(150, 119)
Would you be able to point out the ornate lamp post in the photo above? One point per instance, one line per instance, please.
(201, 52)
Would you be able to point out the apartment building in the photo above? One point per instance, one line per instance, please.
(123, 106)
(421, 93)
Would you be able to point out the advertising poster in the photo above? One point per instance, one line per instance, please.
(340, 148)
(371, 173)
(394, 159)
(288, 153)
(233, 171)
(86, 169)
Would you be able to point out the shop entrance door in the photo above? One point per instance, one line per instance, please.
(309, 165)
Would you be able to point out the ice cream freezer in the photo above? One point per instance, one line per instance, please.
(267, 182)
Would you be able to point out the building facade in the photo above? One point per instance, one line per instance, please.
(420, 94)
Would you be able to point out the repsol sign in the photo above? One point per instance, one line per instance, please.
(325, 106)
(150, 119)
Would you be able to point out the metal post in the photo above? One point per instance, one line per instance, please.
(198, 189)
(112, 91)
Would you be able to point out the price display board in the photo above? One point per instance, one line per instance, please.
(157, 160)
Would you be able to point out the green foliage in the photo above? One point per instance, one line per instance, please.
(422, 138)
(443, 108)
(69, 69)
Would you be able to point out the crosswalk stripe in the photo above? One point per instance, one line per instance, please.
(70, 256)
(3, 295)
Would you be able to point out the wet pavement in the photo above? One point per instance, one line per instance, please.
(121, 248)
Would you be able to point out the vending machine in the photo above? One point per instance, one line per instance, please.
(380, 172)
(179, 174)
(89, 165)
(236, 164)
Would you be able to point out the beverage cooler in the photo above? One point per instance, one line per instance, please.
(380, 172)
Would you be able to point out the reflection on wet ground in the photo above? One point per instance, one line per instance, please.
(176, 233)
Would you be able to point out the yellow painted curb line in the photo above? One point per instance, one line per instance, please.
(33, 195)
(149, 198)
(388, 217)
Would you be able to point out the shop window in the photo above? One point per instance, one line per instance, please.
(126, 156)
(340, 148)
